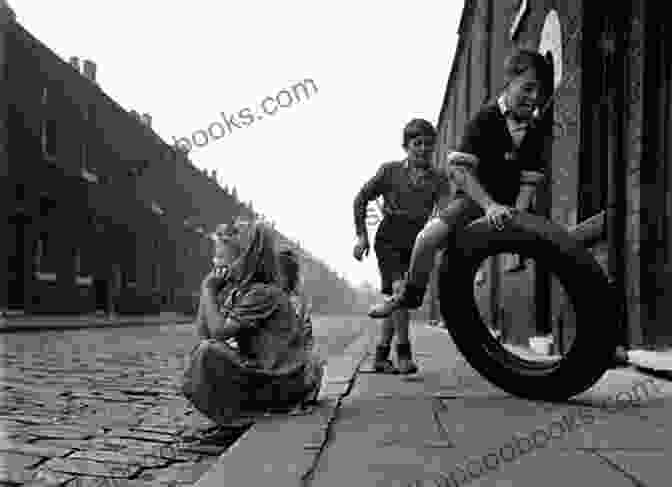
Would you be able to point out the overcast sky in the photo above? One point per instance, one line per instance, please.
(375, 65)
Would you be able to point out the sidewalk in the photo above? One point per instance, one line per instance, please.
(57, 322)
(447, 426)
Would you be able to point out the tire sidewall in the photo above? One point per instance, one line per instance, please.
(583, 280)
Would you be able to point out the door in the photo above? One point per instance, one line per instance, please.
(16, 265)
(656, 176)
(101, 287)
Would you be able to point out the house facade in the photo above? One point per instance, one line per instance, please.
(609, 137)
(97, 213)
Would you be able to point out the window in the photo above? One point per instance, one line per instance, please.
(84, 155)
(77, 258)
(48, 129)
(42, 254)
(46, 205)
(38, 252)
(49, 139)
(156, 276)
(128, 278)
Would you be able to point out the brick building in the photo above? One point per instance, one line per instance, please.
(611, 117)
(97, 213)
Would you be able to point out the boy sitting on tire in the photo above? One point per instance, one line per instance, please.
(498, 164)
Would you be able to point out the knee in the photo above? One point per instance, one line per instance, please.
(434, 233)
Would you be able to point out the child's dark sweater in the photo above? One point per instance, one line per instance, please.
(487, 136)
(407, 204)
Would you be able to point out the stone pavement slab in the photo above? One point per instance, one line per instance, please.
(91, 468)
(271, 453)
(650, 468)
(546, 468)
(281, 450)
(8, 446)
(387, 424)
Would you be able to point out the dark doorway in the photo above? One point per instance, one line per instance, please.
(16, 265)
(102, 289)
(656, 178)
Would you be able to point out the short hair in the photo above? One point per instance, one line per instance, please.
(288, 262)
(416, 128)
(523, 59)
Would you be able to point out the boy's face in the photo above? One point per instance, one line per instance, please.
(525, 94)
(421, 148)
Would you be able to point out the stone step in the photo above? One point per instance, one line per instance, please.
(61, 432)
(91, 468)
(140, 435)
(32, 449)
(107, 456)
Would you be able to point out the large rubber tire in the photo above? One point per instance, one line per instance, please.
(584, 281)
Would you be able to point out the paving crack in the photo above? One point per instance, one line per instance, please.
(307, 477)
(437, 406)
(615, 466)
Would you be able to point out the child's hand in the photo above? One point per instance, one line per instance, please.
(498, 215)
(362, 248)
(214, 282)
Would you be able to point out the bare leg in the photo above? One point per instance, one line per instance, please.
(402, 318)
(428, 242)
(405, 362)
(387, 330)
(426, 245)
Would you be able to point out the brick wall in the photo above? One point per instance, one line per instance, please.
(4, 163)
(633, 156)
(111, 221)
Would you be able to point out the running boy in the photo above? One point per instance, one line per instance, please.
(410, 188)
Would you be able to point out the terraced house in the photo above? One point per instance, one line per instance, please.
(95, 206)
(97, 212)
(609, 137)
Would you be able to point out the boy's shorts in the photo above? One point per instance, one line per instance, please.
(393, 263)
(394, 259)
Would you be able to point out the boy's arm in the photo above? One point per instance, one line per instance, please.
(461, 168)
(370, 191)
(461, 165)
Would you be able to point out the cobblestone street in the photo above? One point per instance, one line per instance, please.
(98, 407)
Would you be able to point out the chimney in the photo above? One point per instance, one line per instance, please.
(74, 62)
(6, 12)
(147, 119)
(89, 70)
(135, 115)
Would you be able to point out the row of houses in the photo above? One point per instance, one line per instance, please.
(608, 139)
(97, 212)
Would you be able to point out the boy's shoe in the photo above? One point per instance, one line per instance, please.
(382, 364)
(404, 359)
(410, 297)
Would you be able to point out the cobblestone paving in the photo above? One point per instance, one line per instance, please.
(94, 407)
(101, 407)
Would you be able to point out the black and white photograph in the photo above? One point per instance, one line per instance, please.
(333, 244)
